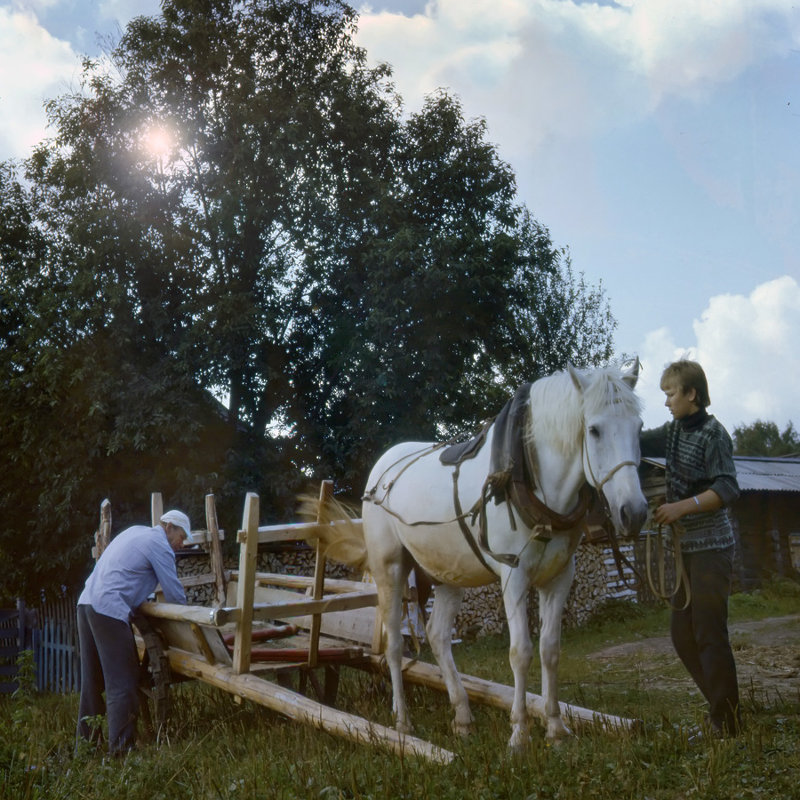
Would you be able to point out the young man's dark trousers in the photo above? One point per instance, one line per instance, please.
(110, 662)
(700, 635)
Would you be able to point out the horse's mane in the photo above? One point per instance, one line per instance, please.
(557, 408)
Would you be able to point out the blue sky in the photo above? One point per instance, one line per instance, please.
(658, 139)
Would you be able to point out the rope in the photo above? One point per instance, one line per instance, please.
(681, 577)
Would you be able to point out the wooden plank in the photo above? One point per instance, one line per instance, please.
(346, 616)
(332, 585)
(318, 588)
(304, 710)
(156, 508)
(296, 608)
(355, 624)
(248, 551)
(294, 531)
(202, 615)
(103, 534)
(215, 552)
(501, 696)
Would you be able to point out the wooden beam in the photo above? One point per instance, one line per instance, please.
(156, 508)
(318, 588)
(201, 615)
(332, 585)
(501, 696)
(295, 531)
(215, 552)
(307, 605)
(103, 535)
(248, 550)
(304, 710)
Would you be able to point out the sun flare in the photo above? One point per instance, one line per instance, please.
(158, 141)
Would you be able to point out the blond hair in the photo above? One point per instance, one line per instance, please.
(688, 375)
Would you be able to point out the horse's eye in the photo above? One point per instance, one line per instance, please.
(594, 431)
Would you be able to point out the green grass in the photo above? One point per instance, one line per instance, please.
(216, 748)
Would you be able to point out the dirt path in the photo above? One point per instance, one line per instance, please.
(767, 656)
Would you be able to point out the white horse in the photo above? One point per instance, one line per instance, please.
(580, 427)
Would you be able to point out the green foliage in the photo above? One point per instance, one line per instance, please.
(343, 275)
(765, 439)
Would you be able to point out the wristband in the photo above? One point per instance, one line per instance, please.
(697, 502)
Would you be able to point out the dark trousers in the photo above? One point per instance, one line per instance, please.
(110, 662)
(700, 635)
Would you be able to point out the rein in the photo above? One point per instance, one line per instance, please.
(620, 559)
(681, 577)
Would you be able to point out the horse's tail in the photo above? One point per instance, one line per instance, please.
(339, 530)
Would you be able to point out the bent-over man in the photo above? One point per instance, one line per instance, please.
(126, 574)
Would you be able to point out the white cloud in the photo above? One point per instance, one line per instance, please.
(564, 68)
(34, 67)
(747, 346)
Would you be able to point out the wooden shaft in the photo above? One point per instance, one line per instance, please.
(501, 696)
(303, 709)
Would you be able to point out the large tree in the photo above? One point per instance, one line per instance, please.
(340, 274)
(765, 439)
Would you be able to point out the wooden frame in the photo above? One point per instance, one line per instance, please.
(329, 607)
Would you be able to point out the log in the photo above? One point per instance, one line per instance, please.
(248, 551)
(318, 589)
(299, 655)
(103, 535)
(215, 552)
(501, 696)
(304, 710)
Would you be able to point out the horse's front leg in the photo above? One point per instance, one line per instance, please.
(515, 599)
(551, 606)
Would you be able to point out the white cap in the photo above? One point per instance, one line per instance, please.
(180, 519)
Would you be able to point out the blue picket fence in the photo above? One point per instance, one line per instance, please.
(50, 631)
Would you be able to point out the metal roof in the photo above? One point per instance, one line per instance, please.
(759, 474)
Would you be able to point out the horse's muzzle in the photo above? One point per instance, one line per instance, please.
(632, 516)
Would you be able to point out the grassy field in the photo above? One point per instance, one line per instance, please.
(216, 748)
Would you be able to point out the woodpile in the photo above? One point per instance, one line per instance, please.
(596, 581)
(284, 559)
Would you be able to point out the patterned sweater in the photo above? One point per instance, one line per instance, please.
(699, 456)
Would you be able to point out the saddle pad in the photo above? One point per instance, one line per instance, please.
(461, 451)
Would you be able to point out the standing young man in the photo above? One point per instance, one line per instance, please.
(128, 571)
(701, 482)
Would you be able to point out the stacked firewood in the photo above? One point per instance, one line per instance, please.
(596, 581)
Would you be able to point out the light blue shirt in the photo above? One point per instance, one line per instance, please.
(126, 574)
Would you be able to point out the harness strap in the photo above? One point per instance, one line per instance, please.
(463, 525)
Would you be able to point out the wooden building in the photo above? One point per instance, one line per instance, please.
(766, 516)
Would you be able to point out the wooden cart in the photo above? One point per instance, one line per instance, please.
(334, 623)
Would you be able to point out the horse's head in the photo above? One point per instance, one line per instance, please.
(611, 427)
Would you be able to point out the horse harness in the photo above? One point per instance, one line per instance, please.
(511, 480)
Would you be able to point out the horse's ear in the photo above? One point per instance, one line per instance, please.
(577, 378)
(631, 375)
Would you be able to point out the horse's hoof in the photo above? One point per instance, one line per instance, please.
(557, 732)
(519, 741)
(462, 729)
(406, 728)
